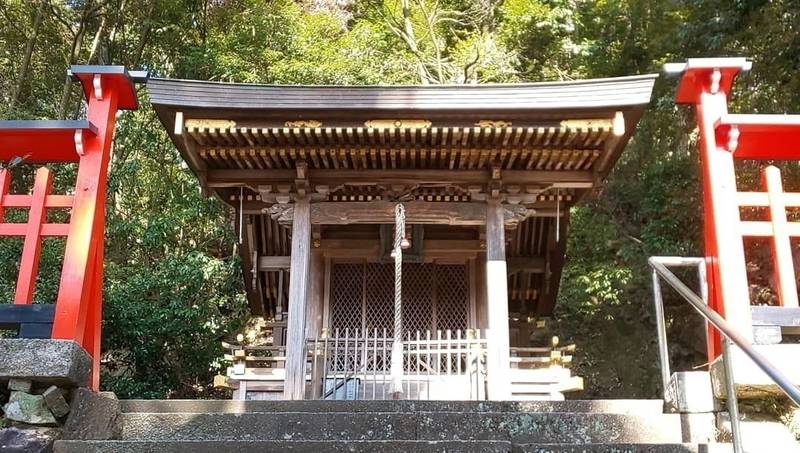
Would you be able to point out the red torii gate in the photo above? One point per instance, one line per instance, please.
(77, 313)
(706, 83)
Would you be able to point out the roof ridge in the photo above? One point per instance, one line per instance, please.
(649, 76)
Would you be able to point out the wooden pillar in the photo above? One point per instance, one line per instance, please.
(294, 383)
(314, 316)
(315, 297)
(481, 320)
(497, 303)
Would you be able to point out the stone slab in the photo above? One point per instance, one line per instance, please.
(690, 392)
(32, 440)
(373, 447)
(699, 427)
(264, 426)
(57, 362)
(20, 385)
(275, 446)
(759, 436)
(569, 428)
(621, 406)
(30, 409)
(432, 426)
(624, 448)
(93, 416)
(767, 335)
(750, 381)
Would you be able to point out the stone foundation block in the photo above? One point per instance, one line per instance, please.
(57, 362)
(33, 440)
(93, 416)
(20, 385)
(759, 436)
(750, 381)
(54, 400)
(699, 428)
(690, 392)
(26, 408)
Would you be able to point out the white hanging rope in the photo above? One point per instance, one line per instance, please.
(241, 212)
(397, 345)
(558, 215)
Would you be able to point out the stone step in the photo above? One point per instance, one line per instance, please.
(533, 427)
(242, 446)
(630, 407)
(623, 448)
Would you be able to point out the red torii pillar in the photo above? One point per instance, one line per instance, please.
(78, 308)
(724, 138)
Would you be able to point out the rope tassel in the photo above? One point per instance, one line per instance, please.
(397, 345)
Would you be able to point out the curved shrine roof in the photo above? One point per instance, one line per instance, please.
(578, 94)
(539, 146)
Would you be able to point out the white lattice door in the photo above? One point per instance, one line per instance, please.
(435, 296)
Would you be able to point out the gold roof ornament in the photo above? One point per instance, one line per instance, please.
(398, 123)
(589, 123)
(209, 124)
(616, 124)
(313, 124)
(493, 124)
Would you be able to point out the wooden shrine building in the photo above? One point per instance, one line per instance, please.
(486, 175)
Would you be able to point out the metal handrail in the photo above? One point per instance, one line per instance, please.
(699, 303)
(729, 331)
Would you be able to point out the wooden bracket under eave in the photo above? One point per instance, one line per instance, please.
(178, 130)
(618, 127)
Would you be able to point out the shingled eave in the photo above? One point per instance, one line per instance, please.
(571, 95)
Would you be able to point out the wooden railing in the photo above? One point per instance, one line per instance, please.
(441, 365)
(356, 364)
(541, 373)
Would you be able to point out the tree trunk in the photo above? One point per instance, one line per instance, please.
(144, 36)
(96, 41)
(412, 42)
(26, 59)
(112, 36)
(76, 45)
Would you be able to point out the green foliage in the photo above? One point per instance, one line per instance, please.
(597, 273)
(173, 282)
(185, 302)
(542, 34)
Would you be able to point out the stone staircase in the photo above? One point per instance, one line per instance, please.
(618, 426)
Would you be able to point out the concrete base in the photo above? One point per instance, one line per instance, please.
(759, 436)
(699, 428)
(52, 362)
(750, 381)
(689, 392)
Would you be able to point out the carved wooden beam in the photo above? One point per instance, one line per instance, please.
(382, 212)
(333, 178)
(537, 209)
